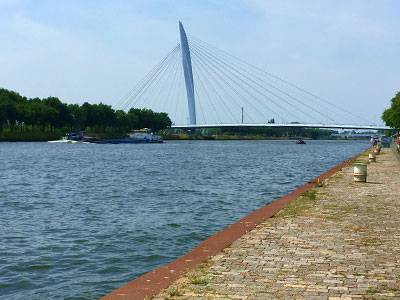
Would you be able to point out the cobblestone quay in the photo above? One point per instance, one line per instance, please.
(340, 240)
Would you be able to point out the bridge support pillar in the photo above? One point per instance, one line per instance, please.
(187, 71)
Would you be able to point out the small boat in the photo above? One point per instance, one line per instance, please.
(145, 135)
(141, 136)
(300, 142)
(72, 138)
(63, 140)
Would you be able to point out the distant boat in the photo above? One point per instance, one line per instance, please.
(63, 140)
(72, 138)
(145, 134)
(300, 141)
(137, 137)
(142, 136)
(76, 137)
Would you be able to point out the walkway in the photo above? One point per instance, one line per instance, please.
(341, 241)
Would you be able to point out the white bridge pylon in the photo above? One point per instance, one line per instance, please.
(201, 86)
(188, 73)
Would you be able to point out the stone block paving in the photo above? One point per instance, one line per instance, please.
(340, 242)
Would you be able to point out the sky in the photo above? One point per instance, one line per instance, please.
(346, 51)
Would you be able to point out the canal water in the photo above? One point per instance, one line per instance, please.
(79, 220)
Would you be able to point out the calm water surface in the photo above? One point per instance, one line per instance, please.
(78, 220)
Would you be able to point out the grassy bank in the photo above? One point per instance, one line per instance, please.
(29, 136)
(39, 136)
(26, 134)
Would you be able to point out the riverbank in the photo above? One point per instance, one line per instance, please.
(18, 136)
(8, 136)
(38, 136)
(246, 137)
(339, 241)
(184, 137)
(221, 137)
(318, 210)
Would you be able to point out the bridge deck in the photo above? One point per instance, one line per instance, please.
(280, 125)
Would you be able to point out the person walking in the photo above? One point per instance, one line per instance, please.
(373, 142)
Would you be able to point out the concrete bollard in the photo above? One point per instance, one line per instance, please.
(360, 172)
(372, 157)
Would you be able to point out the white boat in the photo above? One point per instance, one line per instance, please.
(145, 135)
(64, 140)
(73, 138)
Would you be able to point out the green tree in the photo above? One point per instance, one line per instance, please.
(146, 118)
(87, 115)
(74, 118)
(3, 115)
(10, 105)
(105, 116)
(11, 112)
(391, 116)
(160, 121)
(57, 112)
(121, 121)
(51, 111)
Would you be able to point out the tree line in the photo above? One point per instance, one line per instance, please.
(51, 114)
(277, 132)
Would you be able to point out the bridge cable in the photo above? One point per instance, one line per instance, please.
(203, 59)
(199, 102)
(168, 75)
(143, 88)
(252, 67)
(174, 79)
(208, 97)
(231, 87)
(127, 96)
(179, 91)
(203, 68)
(281, 91)
(197, 95)
(217, 62)
(149, 94)
(215, 90)
(262, 87)
(150, 78)
(145, 79)
(282, 80)
(227, 71)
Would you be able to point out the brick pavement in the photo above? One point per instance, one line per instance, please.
(340, 241)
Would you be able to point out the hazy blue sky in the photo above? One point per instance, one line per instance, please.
(346, 51)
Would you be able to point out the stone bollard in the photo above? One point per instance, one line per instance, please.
(372, 157)
(360, 172)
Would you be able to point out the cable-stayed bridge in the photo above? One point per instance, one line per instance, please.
(201, 86)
